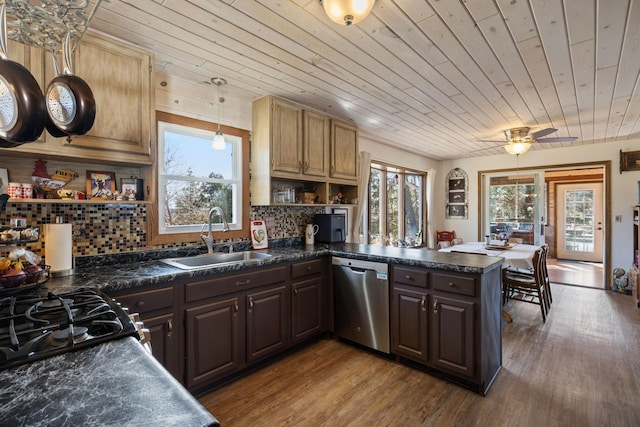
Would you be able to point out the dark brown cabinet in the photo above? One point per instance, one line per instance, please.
(214, 341)
(157, 312)
(233, 320)
(307, 291)
(449, 321)
(452, 335)
(267, 322)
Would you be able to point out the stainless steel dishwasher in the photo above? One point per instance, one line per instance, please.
(361, 302)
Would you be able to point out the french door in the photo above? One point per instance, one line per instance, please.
(580, 221)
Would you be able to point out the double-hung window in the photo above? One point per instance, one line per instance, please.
(193, 178)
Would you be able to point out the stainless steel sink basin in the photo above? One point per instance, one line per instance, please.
(215, 259)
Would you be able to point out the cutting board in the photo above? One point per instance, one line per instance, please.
(259, 238)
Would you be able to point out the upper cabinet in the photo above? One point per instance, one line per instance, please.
(344, 151)
(302, 152)
(120, 77)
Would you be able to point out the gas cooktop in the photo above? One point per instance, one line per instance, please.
(36, 326)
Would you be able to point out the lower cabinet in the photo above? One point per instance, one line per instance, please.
(449, 322)
(234, 320)
(452, 336)
(307, 299)
(158, 313)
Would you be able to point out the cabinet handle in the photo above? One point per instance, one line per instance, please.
(308, 268)
(300, 167)
(452, 285)
(295, 292)
(306, 167)
(435, 306)
(243, 282)
(408, 277)
(250, 303)
(235, 307)
(423, 303)
(169, 328)
(140, 304)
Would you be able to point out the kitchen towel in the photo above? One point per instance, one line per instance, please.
(58, 248)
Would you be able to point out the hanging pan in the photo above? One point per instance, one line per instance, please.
(22, 106)
(71, 106)
(51, 127)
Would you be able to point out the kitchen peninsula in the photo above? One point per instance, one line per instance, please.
(481, 290)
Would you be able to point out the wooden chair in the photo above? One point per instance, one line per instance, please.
(444, 236)
(544, 272)
(527, 288)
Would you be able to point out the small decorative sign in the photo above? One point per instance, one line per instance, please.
(259, 238)
(629, 161)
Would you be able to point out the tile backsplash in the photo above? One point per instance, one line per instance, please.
(115, 228)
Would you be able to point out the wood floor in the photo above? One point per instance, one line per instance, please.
(577, 273)
(580, 368)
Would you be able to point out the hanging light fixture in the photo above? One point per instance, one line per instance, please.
(218, 139)
(347, 12)
(518, 141)
(517, 148)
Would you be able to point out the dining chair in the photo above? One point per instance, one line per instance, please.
(444, 238)
(527, 288)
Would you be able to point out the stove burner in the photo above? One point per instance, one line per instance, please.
(36, 325)
(79, 333)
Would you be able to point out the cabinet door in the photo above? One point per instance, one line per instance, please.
(214, 341)
(317, 132)
(267, 323)
(409, 323)
(344, 151)
(452, 337)
(120, 79)
(306, 308)
(286, 137)
(164, 341)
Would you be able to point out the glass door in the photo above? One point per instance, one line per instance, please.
(580, 221)
(513, 206)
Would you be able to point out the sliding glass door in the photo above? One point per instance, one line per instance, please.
(513, 206)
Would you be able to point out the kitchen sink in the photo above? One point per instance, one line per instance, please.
(215, 259)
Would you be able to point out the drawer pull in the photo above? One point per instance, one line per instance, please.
(435, 306)
(452, 285)
(243, 282)
(140, 303)
(408, 277)
(295, 292)
(423, 303)
(170, 326)
(308, 268)
(235, 307)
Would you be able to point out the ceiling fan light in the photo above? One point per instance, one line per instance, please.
(347, 12)
(218, 141)
(517, 148)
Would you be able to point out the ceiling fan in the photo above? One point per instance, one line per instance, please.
(519, 139)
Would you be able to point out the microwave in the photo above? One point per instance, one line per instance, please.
(332, 228)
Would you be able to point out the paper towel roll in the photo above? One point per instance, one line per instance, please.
(58, 247)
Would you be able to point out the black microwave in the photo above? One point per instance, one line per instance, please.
(331, 228)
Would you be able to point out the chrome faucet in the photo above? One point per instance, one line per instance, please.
(208, 239)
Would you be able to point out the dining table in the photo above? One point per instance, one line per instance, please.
(517, 255)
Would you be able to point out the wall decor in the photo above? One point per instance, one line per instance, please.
(456, 188)
(100, 185)
(132, 188)
(629, 161)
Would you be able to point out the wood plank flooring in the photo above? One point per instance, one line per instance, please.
(580, 368)
(577, 273)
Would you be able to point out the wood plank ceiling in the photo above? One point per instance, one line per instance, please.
(433, 76)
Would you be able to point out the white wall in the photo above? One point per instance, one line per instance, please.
(624, 187)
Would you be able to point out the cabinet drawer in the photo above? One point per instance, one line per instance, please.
(306, 268)
(457, 284)
(146, 301)
(413, 276)
(216, 286)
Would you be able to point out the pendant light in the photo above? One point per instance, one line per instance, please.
(347, 12)
(218, 139)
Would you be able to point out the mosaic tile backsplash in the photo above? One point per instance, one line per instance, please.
(101, 229)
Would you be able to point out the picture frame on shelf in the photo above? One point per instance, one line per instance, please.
(4, 181)
(132, 188)
(100, 185)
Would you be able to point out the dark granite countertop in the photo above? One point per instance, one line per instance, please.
(121, 276)
(116, 383)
